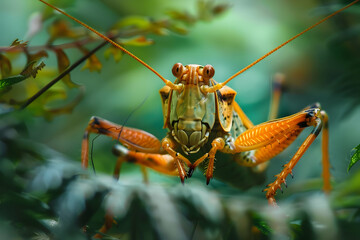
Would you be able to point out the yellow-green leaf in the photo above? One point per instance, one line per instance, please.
(182, 16)
(92, 63)
(34, 57)
(63, 63)
(178, 28)
(5, 66)
(219, 9)
(133, 21)
(30, 70)
(53, 95)
(137, 41)
(60, 29)
(160, 27)
(18, 44)
(50, 113)
(115, 52)
(207, 10)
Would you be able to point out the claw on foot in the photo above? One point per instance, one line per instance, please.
(207, 181)
(190, 172)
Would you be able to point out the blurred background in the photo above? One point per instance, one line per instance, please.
(321, 66)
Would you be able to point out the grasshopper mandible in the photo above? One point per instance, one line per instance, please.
(204, 120)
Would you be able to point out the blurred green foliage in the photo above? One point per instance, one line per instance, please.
(355, 157)
(45, 195)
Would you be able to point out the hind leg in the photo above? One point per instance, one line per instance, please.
(271, 138)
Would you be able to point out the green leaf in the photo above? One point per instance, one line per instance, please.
(303, 231)
(29, 70)
(260, 223)
(11, 80)
(355, 157)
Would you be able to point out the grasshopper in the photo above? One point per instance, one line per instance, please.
(205, 122)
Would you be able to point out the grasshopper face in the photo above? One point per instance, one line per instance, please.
(191, 111)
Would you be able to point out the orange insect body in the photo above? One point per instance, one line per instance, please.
(195, 118)
(189, 113)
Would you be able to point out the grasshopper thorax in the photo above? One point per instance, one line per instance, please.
(190, 112)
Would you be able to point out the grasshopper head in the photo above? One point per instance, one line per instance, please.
(193, 74)
(191, 111)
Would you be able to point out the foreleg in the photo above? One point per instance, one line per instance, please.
(216, 145)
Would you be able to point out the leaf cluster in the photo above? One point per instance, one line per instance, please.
(129, 31)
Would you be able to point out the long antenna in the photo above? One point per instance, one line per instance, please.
(283, 44)
(167, 82)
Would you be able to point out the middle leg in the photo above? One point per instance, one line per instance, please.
(162, 163)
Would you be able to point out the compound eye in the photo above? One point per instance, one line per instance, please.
(208, 72)
(177, 70)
